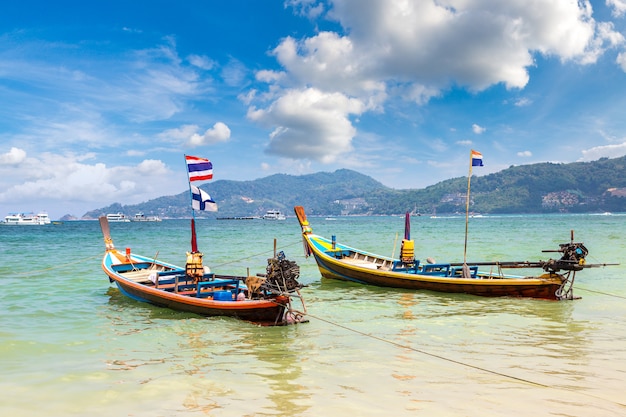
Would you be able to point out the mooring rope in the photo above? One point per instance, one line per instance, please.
(264, 253)
(36, 271)
(601, 292)
(465, 364)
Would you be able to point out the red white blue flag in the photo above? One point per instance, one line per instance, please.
(477, 159)
(200, 169)
(201, 200)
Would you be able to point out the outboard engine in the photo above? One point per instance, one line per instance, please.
(282, 275)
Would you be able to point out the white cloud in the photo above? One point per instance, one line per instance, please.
(188, 134)
(618, 7)
(14, 157)
(142, 85)
(65, 181)
(201, 61)
(310, 124)
(621, 60)
(523, 102)
(234, 72)
(525, 154)
(152, 167)
(308, 8)
(604, 151)
(417, 50)
(179, 134)
(269, 76)
(218, 133)
(478, 129)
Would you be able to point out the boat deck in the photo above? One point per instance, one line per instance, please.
(141, 276)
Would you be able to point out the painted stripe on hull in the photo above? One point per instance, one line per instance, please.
(531, 287)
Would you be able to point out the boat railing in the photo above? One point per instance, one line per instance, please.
(436, 269)
(408, 268)
(208, 286)
(220, 294)
(459, 272)
(338, 253)
(127, 267)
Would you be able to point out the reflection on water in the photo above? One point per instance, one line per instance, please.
(221, 355)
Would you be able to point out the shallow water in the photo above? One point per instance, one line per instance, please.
(71, 345)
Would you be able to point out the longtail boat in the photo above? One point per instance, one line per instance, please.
(264, 299)
(339, 261)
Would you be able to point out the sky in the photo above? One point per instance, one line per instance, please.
(100, 101)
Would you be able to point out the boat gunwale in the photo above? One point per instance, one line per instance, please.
(181, 298)
(317, 242)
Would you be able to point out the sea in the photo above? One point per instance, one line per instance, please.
(72, 345)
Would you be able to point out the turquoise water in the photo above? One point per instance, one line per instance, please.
(71, 345)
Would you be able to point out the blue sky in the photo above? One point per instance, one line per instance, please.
(101, 100)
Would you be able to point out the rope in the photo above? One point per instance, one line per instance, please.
(19, 274)
(465, 364)
(602, 292)
(255, 255)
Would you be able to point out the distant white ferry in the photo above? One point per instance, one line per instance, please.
(117, 217)
(27, 219)
(140, 217)
(273, 215)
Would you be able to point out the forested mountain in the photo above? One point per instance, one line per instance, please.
(537, 188)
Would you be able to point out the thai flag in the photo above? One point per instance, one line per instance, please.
(200, 169)
(201, 200)
(477, 159)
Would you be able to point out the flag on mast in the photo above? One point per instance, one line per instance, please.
(201, 200)
(200, 169)
(477, 159)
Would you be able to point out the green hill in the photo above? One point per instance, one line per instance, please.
(537, 188)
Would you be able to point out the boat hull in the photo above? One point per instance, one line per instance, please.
(545, 287)
(265, 312)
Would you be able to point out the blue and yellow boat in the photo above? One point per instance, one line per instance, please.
(342, 262)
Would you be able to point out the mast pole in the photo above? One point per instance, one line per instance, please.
(467, 201)
(194, 242)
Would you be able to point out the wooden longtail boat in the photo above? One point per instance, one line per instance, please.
(338, 261)
(265, 299)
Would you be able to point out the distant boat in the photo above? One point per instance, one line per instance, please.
(273, 215)
(27, 219)
(117, 217)
(140, 217)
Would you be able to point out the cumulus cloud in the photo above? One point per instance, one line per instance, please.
(59, 180)
(152, 166)
(189, 134)
(417, 50)
(13, 157)
(525, 154)
(478, 129)
(310, 124)
(218, 133)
